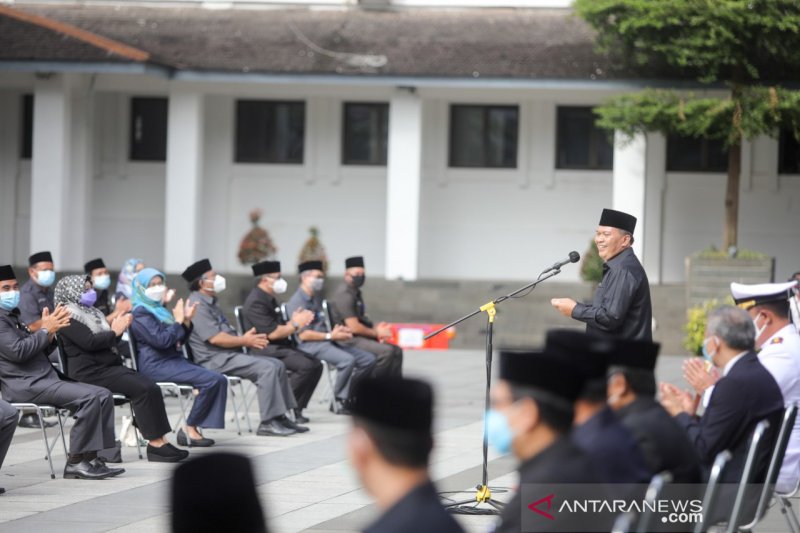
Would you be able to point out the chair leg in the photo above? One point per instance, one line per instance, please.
(788, 514)
(135, 431)
(47, 448)
(234, 401)
(246, 413)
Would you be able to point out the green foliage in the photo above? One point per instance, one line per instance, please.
(711, 40)
(592, 265)
(713, 253)
(696, 320)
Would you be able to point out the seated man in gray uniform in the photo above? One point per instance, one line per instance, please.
(26, 375)
(351, 363)
(216, 346)
(349, 310)
(8, 424)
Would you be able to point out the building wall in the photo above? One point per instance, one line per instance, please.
(476, 224)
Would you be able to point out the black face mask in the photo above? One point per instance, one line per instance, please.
(358, 281)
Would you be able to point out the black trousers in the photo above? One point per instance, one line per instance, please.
(304, 370)
(146, 398)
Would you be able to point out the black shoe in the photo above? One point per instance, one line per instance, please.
(2, 490)
(338, 407)
(99, 463)
(184, 440)
(274, 428)
(165, 454)
(299, 418)
(32, 421)
(289, 423)
(85, 470)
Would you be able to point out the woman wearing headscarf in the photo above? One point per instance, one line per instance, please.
(91, 356)
(126, 275)
(159, 334)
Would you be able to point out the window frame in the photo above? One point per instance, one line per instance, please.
(486, 108)
(594, 141)
(236, 155)
(782, 170)
(385, 110)
(26, 127)
(704, 155)
(132, 156)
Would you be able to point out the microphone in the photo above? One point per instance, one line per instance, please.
(574, 257)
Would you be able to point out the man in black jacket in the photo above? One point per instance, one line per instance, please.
(389, 446)
(631, 393)
(262, 312)
(621, 305)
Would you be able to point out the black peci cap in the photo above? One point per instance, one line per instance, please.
(7, 272)
(309, 265)
(399, 403)
(543, 371)
(196, 270)
(352, 262)
(618, 219)
(266, 267)
(639, 355)
(40, 257)
(94, 264)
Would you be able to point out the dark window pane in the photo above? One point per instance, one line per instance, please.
(148, 129)
(366, 134)
(580, 144)
(26, 148)
(483, 136)
(788, 153)
(689, 154)
(270, 132)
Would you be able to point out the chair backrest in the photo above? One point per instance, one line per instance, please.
(326, 309)
(238, 314)
(623, 523)
(782, 442)
(712, 487)
(134, 351)
(652, 495)
(285, 316)
(757, 444)
(61, 355)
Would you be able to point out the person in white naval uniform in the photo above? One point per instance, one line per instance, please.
(779, 351)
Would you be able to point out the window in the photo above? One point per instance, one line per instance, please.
(483, 136)
(689, 154)
(269, 132)
(26, 145)
(366, 134)
(580, 144)
(148, 129)
(788, 153)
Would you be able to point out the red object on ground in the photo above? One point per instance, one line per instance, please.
(413, 336)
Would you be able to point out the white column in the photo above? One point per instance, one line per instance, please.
(184, 179)
(655, 189)
(10, 128)
(630, 165)
(50, 166)
(79, 205)
(403, 186)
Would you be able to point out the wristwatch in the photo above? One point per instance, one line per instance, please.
(328, 336)
(295, 325)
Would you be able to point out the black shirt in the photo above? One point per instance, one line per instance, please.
(348, 303)
(261, 311)
(621, 306)
(419, 511)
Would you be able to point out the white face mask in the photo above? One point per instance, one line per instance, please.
(280, 286)
(760, 330)
(219, 284)
(156, 293)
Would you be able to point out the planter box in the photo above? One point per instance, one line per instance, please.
(708, 279)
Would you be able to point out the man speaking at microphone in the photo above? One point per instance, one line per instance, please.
(621, 306)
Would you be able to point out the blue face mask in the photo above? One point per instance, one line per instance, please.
(102, 282)
(46, 277)
(9, 300)
(707, 356)
(88, 298)
(499, 432)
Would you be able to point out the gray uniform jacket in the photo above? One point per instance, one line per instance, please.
(24, 366)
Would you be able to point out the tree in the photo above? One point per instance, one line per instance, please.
(743, 47)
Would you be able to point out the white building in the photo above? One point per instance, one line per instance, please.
(440, 142)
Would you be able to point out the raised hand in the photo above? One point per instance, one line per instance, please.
(121, 323)
(179, 312)
(696, 375)
(56, 320)
(123, 306)
(189, 311)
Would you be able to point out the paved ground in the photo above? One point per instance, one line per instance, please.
(304, 481)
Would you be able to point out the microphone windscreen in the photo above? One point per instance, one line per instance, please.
(574, 257)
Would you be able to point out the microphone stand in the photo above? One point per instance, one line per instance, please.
(483, 494)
